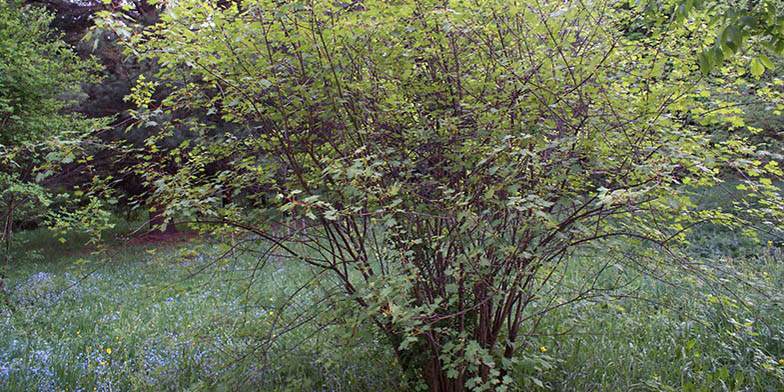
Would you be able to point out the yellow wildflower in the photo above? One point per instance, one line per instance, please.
(781, 361)
(543, 349)
(108, 350)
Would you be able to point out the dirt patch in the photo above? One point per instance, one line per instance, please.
(148, 240)
(159, 239)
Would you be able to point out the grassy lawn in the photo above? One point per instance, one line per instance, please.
(167, 317)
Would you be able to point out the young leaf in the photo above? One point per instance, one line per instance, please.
(757, 68)
(766, 62)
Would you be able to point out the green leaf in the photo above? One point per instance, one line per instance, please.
(705, 63)
(766, 62)
(331, 215)
(757, 68)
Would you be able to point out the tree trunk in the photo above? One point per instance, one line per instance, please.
(436, 378)
(6, 239)
(423, 362)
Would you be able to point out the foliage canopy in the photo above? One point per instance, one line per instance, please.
(447, 157)
(40, 77)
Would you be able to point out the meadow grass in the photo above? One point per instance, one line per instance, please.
(673, 333)
(152, 319)
(179, 317)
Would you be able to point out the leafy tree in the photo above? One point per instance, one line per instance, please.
(735, 26)
(169, 131)
(40, 79)
(447, 158)
(106, 99)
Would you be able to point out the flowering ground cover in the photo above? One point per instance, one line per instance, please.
(154, 318)
(145, 321)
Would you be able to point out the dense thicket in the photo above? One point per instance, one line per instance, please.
(446, 157)
(40, 79)
(441, 161)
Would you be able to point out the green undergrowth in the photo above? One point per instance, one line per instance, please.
(195, 316)
(153, 319)
(670, 332)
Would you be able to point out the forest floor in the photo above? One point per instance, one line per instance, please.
(169, 314)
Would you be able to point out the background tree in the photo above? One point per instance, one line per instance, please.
(75, 19)
(736, 26)
(160, 137)
(40, 79)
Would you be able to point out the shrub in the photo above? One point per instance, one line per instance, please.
(442, 159)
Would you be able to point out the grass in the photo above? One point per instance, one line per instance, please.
(147, 321)
(674, 337)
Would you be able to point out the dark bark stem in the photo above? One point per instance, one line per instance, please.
(6, 235)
